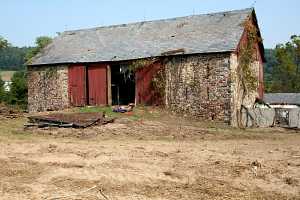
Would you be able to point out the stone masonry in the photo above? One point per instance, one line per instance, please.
(199, 86)
(47, 88)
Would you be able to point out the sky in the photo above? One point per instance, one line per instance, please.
(21, 21)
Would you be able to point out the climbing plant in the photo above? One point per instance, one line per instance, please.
(50, 72)
(247, 56)
(140, 63)
(159, 82)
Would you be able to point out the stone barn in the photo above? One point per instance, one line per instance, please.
(203, 66)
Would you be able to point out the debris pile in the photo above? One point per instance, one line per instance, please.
(68, 120)
(123, 109)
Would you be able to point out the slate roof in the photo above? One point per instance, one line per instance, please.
(282, 98)
(217, 32)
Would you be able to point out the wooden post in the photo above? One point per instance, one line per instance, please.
(109, 96)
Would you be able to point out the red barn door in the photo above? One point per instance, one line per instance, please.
(77, 85)
(97, 84)
(145, 94)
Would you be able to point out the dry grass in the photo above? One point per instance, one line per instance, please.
(152, 157)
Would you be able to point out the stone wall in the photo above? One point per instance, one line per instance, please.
(47, 88)
(199, 86)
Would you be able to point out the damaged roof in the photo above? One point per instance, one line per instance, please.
(209, 33)
(282, 98)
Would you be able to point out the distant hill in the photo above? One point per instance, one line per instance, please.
(13, 58)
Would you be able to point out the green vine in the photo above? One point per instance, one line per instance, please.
(50, 72)
(139, 64)
(159, 82)
(247, 58)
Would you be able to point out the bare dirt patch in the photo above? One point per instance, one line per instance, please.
(165, 158)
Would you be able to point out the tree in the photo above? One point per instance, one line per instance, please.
(3, 43)
(2, 91)
(41, 43)
(270, 64)
(286, 72)
(13, 58)
(18, 91)
(296, 45)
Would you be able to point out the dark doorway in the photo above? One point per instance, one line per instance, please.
(122, 85)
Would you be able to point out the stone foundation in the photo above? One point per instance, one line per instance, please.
(47, 88)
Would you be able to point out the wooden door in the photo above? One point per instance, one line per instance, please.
(145, 94)
(97, 84)
(77, 85)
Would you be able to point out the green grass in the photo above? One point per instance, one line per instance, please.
(138, 113)
(108, 110)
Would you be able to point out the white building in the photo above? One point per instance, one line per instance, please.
(283, 100)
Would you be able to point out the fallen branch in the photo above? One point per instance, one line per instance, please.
(102, 194)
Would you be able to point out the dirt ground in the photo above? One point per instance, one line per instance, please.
(155, 158)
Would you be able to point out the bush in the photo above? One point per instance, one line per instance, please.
(18, 91)
(2, 91)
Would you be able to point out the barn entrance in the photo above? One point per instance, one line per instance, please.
(77, 85)
(96, 85)
(122, 85)
(88, 85)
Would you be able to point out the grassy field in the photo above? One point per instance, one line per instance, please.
(148, 154)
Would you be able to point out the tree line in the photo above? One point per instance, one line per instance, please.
(15, 58)
(282, 70)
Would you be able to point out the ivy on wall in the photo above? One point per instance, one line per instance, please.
(247, 56)
(50, 72)
(159, 82)
(140, 63)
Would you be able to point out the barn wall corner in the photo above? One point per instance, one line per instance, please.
(237, 99)
(47, 88)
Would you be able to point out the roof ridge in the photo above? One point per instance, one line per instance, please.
(157, 20)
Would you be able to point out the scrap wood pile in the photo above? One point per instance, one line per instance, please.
(68, 120)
